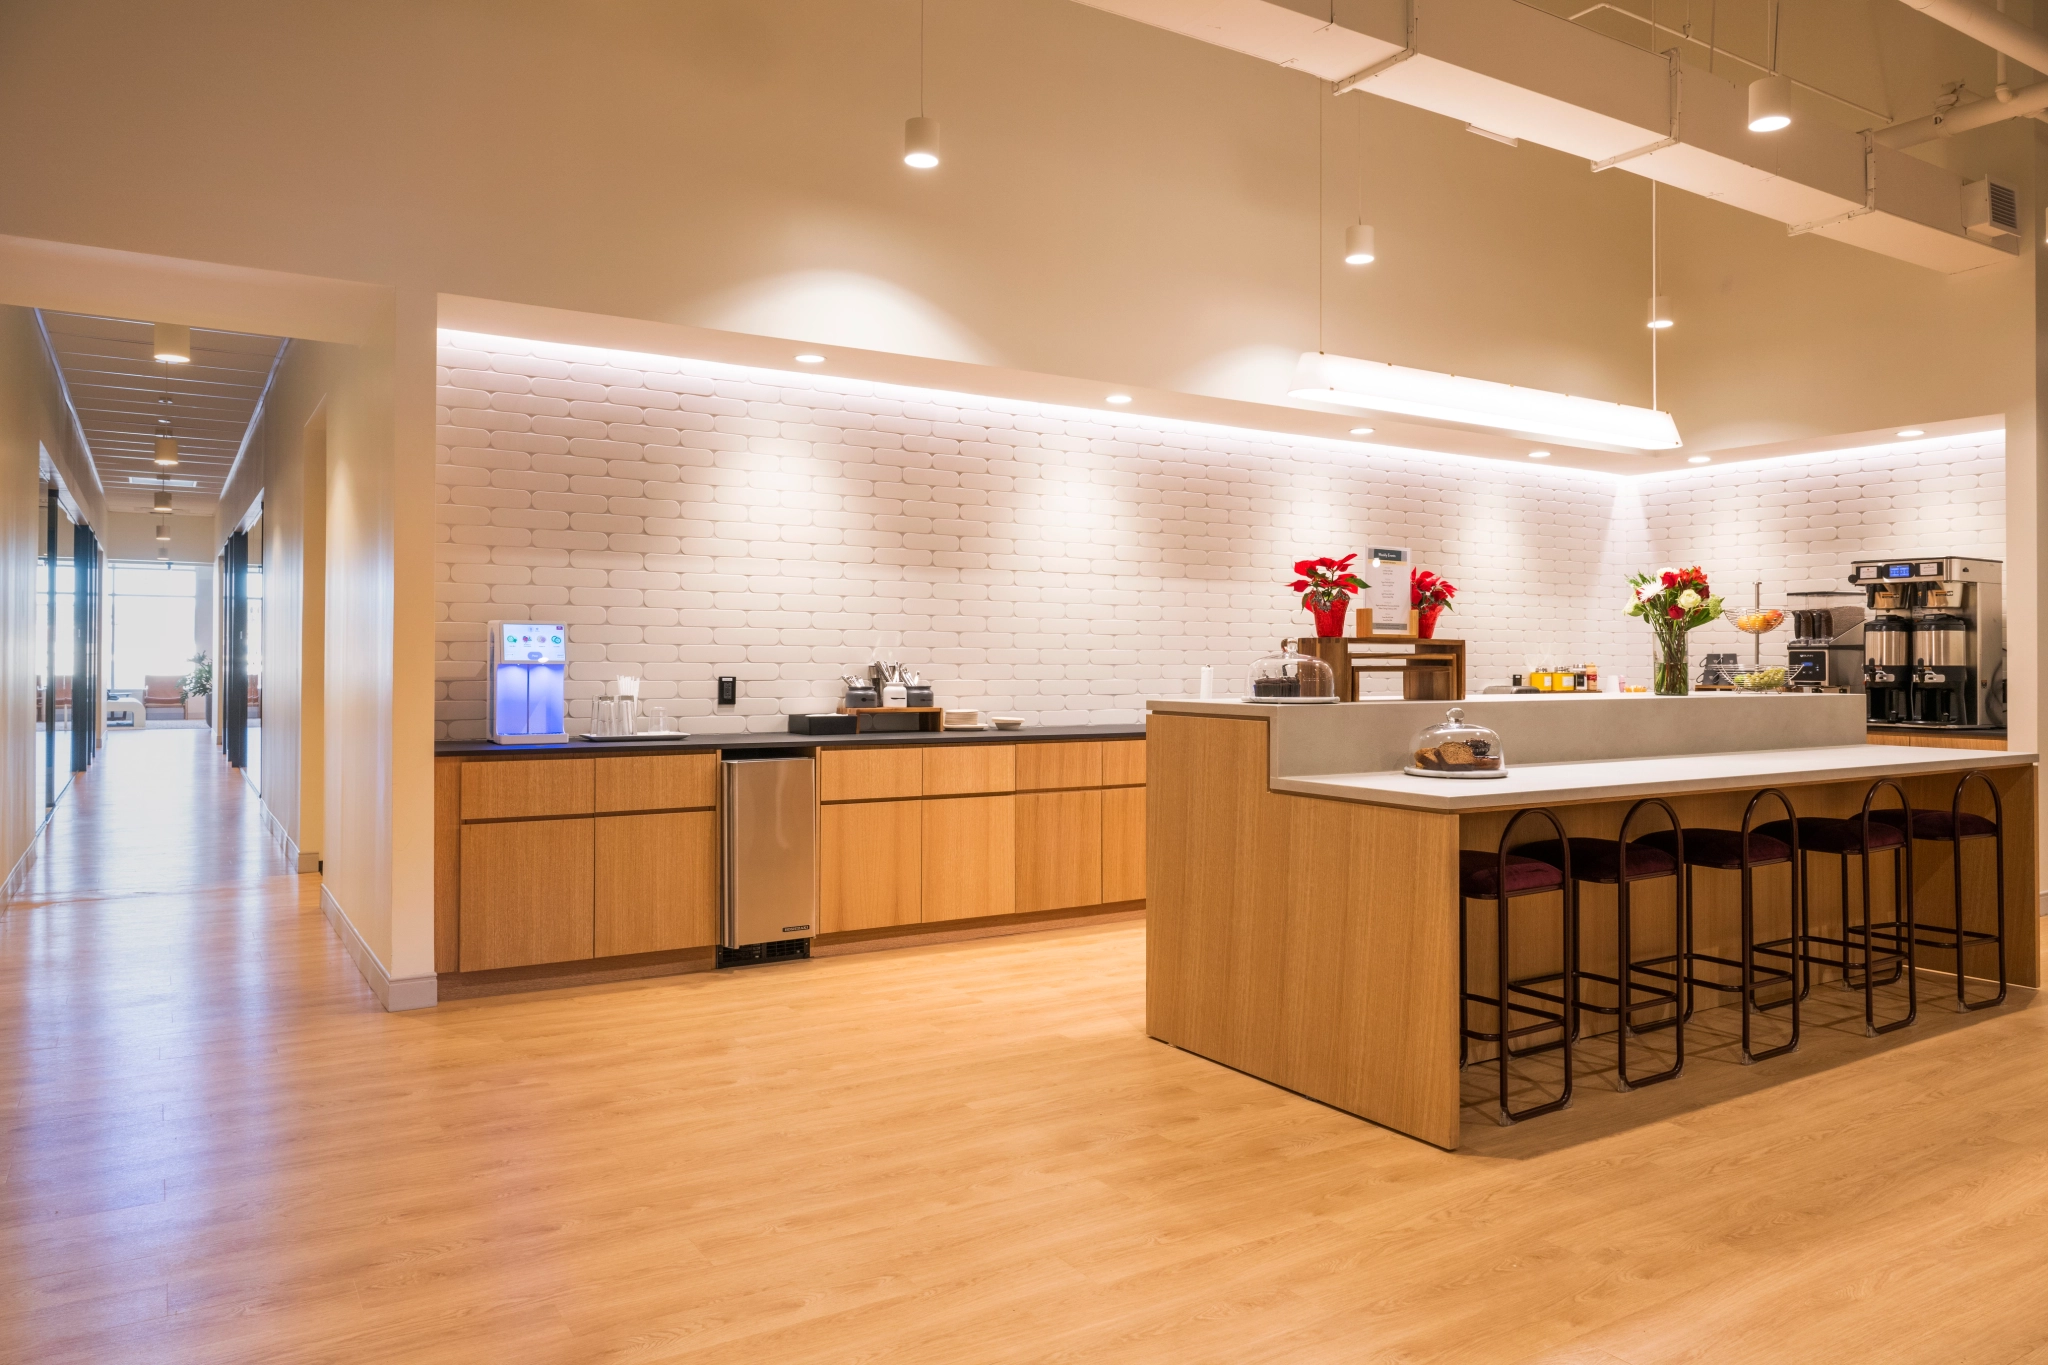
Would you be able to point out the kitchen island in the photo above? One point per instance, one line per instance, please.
(1303, 918)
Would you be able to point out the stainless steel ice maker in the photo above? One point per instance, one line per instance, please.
(770, 820)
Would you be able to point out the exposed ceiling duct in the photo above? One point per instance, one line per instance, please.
(1519, 72)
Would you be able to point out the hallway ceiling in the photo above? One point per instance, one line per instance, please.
(116, 386)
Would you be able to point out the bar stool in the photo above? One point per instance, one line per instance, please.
(1954, 826)
(1502, 877)
(1742, 851)
(1856, 837)
(1619, 863)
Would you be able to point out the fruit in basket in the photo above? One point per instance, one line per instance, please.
(1762, 680)
(1759, 621)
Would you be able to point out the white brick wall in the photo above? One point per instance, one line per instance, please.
(690, 519)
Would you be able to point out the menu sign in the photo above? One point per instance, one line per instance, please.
(1386, 589)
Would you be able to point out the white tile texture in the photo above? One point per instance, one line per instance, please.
(690, 520)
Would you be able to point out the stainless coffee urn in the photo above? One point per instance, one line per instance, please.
(1934, 646)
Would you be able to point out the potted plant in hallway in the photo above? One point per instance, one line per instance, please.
(1326, 586)
(198, 688)
(1674, 602)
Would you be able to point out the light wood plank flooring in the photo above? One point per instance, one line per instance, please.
(218, 1149)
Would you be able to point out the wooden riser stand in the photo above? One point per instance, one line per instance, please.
(1431, 670)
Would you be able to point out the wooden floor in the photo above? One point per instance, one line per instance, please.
(218, 1149)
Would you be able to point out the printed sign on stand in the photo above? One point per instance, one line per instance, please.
(1386, 579)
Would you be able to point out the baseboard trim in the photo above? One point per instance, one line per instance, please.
(596, 971)
(17, 878)
(400, 993)
(301, 860)
(957, 931)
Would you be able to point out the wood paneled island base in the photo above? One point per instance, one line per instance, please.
(1312, 941)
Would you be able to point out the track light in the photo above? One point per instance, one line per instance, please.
(1358, 245)
(173, 343)
(162, 501)
(921, 142)
(1660, 313)
(1770, 103)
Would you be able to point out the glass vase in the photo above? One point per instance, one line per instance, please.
(1669, 673)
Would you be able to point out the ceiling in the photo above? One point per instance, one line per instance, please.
(117, 388)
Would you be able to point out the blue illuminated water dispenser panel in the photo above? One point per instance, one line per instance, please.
(529, 664)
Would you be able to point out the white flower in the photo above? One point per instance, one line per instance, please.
(1688, 599)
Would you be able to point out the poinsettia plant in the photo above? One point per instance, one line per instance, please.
(1426, 590)
(1673, 599)
(1326, 582)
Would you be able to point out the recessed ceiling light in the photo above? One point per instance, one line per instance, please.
(1119, 398)
(1539, 454)
(1912, 431)
(1699, 459)
(1361, 431)
(808, 359)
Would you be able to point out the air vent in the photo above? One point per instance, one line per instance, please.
(1991, 210)
(759, 954)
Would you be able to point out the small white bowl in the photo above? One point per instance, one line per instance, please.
(1008, 722)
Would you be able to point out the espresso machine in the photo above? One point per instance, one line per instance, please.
(1826, 653)
(1934, 645)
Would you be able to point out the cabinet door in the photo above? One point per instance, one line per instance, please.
(526, 893)
(970, 857)
(1123, 844)
(525, 788)
(870, 774)
(1123, 763)
(870, 865)
(657, 882)
(962, 769)
(1040, 766)
(656, 782)
(1059, 850)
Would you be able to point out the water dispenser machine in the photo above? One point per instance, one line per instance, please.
(529, 662)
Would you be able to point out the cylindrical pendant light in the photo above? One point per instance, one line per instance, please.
(1358, 244)
(166, 449)
(921, 142)
(1770, 103)
(1660, 312)
(163, 532)
(163, 552)
(173, 343)
(162, 501)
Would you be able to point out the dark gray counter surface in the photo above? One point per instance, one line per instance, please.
(703, 743)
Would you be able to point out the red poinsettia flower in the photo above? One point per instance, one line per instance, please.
(1299, 585)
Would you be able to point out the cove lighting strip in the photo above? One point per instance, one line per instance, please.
(1377, 387)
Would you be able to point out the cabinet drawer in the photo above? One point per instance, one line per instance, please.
(1123, 844)
(870, 863)
(870, 774)
(1059, 850)
(964, 769)
(970, 857)
(526, 892)
(1123, 763)
(657, 882)
(1040, 766)
(656, 782)
(521, 788)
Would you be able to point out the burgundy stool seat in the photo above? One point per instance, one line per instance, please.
(1825, 834)
(1479, 875)
(1721, 848)
(1939, 824)
(1599, 860)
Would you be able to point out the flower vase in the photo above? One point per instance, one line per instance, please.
(1669, 673)
(1425, 621)
(1330, 619)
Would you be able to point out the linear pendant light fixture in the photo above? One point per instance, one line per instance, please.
(1375, 386)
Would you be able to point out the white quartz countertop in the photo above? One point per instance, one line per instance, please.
(1620, 778)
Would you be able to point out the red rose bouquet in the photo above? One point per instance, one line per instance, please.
(1673, 601)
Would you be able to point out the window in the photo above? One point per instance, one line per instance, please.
(155, 619)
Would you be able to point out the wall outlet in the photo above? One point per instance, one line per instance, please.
(728, 691)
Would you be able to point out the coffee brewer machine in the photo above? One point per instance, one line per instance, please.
(1826, 654)
(1935, 642)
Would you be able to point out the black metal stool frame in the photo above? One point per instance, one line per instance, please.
(1868, 933)
(1752, 978)
(1564, 1018)
(1961, 938)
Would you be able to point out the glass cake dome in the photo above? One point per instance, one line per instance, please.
(1291, 677)
(1456, 747)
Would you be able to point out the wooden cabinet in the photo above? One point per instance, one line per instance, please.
(870, 774)
(656, 882)
(1123, 844)
(870, 859)
(526, 891)
(1123, 763)
(1059, 850)
(656, 782)
(1044, 766)
(970, 857)
(963, 769)
(522, 788)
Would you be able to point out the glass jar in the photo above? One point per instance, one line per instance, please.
(1455, 747)
(1291, 676)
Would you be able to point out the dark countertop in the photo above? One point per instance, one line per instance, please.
(698, 744)
(1935, 730)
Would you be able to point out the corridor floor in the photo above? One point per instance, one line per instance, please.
(219, 1149)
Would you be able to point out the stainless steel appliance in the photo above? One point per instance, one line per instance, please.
(1934, 649)
(769, 816)
(1826, 653)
